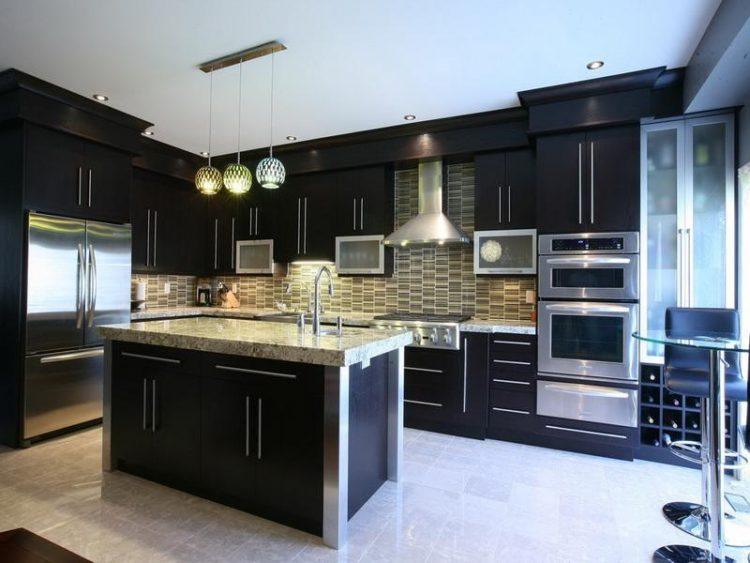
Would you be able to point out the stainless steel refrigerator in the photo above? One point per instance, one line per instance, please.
(78, 278)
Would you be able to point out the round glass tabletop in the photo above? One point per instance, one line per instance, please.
(705, 341)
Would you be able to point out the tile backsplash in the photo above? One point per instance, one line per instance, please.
(431, 279)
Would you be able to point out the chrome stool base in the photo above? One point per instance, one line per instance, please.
(685, 554)
(693, 519)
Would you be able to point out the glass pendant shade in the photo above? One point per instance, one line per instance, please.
(208, 180)
(270, 173)
(238, 178)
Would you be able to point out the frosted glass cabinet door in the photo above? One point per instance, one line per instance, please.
(710, 236)
(661, 150)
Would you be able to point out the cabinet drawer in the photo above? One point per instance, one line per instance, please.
(513, 348)
(586, 431)
(166, 359)
(512, 381)
(302, 377)
(511, 410)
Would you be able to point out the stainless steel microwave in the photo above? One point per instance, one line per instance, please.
(363, 254)
(254, 257)
(505, 252)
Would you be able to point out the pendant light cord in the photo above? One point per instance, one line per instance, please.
(210, 109)
(239, 114)
(270, 117)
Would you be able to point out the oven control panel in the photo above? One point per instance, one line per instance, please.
(578, 244)
(589, 243)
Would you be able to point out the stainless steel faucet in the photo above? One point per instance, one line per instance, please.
(316, 297)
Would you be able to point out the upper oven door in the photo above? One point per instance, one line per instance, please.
(588, 339)
(611, 277)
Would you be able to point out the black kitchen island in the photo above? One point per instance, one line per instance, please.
(297, 428)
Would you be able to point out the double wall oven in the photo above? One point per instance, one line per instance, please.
(588, 309)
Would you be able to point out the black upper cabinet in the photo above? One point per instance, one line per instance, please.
(589, 181)
(168, 219)
(224, 228)
(364, 201)
(505, 196)
(257, 214)
(67, 175)
(309, 217)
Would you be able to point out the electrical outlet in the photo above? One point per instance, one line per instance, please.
(167, 288)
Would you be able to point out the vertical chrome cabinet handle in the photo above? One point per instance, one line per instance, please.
(466, 352)
(361, 213)
(250, 230)
(499, 204)
(305, 239)
(247, 426)
(153, 405)
(145, 404)
(80, 184)
(81, 289)
(231, 248)
(256, 220)
(508, 203)
(156, 226)
(260, 428)
(354, 213)
(89, 187)
(93, 284)
(148, 237)
(299, 223)
(591, 168)
(689, 263)
(216, 244)
(580, 185)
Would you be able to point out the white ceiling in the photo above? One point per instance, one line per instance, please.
(350, 65)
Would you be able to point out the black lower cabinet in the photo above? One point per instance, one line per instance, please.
(587, 437)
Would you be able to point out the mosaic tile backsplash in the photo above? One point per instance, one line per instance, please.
(432, 279)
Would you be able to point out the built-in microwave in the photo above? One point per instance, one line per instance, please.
(505, 252)
(363, 254)
(254, 257)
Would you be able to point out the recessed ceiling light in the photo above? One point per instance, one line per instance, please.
(410, 117)
(100, 98)
(148, 133)
(204, 153)
(593, 65)
(291, 138)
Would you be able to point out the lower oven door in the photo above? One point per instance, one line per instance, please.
(588, 339)
(590, 403)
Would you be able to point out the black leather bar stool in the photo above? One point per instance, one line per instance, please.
(686, 372)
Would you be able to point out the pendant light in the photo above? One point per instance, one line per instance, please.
(237, 177)
(208, 178)
(270, 171)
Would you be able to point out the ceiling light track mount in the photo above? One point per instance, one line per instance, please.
(242, 56)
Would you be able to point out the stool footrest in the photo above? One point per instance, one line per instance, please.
(692, 451)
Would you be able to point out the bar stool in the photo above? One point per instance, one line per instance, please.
(686, 372)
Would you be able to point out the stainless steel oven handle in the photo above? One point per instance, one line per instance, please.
(588, 260)
(573, 389)
(616, 309)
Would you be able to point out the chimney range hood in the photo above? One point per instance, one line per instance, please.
(430, 226)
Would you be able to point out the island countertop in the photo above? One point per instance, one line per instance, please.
(260, 339)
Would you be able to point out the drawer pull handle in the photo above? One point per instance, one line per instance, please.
(425, 403)
(257, 372)
(153, 358)
(424, 369)
(511, 381)
(513, 342)
(512, 362)
(605, 434)
(512, 411)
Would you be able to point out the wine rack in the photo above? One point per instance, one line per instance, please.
(667, 417)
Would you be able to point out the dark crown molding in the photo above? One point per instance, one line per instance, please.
(12, 79)
(606, 85)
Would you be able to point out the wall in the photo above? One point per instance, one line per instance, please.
(431, 279)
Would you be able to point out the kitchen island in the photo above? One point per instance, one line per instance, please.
(265, 417)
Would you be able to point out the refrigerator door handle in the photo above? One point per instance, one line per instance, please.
(92, 285)
(81, 291)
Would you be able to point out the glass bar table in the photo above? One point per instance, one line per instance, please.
(716, 345)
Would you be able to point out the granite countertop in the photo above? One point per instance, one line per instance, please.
(259, 339)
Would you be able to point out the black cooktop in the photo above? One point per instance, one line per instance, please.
(423, 317)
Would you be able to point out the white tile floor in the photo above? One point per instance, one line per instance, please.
(461, 500)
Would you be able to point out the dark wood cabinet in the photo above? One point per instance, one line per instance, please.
(169, 222)
(68, 175)
(505, 191)
(364, 201)
(223, 221)
(309, 217)
(589, 181)
(472, 413)
(257, 215)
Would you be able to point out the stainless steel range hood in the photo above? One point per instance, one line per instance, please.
(430, 226)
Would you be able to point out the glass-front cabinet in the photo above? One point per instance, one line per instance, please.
(687, 218)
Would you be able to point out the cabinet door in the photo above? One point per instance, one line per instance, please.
(223, 214)
(108, 179)
(490, 205)
(432, 386)
(561, 188)
(131, 415)
(176, 401)
(142, 206)
(362, 202)
(228, 439)
(613, 178)
(520, 196)
(319, 205)
(54, 172)
(256, 215)
(472, 410)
